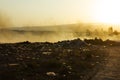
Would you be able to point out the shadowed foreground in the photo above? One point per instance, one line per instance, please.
(65, 60)
(111, 70)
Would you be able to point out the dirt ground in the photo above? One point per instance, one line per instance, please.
(111, 70)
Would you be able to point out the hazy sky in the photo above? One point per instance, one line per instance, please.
(45, 12)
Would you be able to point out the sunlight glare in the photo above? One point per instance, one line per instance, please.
(107, 11)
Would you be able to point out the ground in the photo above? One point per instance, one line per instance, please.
(111, 70)
(65, 60)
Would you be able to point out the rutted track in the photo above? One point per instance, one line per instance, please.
(111, 70)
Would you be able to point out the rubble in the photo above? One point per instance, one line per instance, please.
(65, 60)
(51, 73)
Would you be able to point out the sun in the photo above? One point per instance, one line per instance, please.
(107, 11)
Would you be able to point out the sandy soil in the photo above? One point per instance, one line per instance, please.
(111, 70)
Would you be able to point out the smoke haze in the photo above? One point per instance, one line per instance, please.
(54, 33)
(5, 20)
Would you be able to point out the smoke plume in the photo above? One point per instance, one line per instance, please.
(4, 20)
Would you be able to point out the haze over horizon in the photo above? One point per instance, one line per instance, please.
(52, 12)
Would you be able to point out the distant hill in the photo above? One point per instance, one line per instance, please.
(67, 27)
(56, 33)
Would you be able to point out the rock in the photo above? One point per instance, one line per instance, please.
(51, 73)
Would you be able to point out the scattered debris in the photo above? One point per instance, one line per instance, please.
(51, 73)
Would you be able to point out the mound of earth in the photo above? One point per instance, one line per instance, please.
(65, 60)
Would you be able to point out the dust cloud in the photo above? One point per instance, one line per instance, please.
(56, 33)
(53, 33)
(5, 20)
